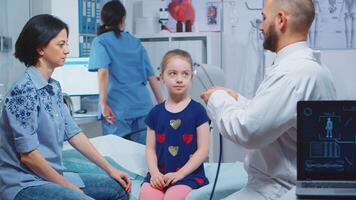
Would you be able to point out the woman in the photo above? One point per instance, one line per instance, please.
(124, 69)
(35, 123)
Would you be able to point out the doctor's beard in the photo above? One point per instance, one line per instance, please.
(271, 39)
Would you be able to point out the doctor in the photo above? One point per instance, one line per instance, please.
(267, 123)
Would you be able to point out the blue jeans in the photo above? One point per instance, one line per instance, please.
(97, 186)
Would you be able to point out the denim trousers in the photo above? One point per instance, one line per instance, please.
(97, 186)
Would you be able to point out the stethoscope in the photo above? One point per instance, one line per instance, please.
(206, 74)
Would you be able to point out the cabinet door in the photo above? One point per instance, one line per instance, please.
(157, 48)
(195, 48)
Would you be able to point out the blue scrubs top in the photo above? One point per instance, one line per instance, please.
(33, 116)
(129, 68)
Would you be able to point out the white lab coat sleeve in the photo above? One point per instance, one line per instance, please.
(257, 122)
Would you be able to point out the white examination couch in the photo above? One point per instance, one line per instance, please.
(129, 155)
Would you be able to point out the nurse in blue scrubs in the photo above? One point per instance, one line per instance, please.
(35, 122)
(124, 70)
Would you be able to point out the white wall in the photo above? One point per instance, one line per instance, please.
(3, 56)
(16, 16)
(342, 65)
(67, 11)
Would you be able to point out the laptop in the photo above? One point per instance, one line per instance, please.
(326, 149)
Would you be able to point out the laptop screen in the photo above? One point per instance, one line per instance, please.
(326, 140)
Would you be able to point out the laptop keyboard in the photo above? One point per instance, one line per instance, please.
(328, 185)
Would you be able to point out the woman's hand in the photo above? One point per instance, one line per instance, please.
(173, 177)
(108, 113)
(157, 181)
(122, 178)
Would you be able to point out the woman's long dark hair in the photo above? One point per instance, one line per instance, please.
(112, 15)
(37, 33)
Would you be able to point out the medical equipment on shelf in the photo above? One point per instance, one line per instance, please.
(163, 19)
(205, 76)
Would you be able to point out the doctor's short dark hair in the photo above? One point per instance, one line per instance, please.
(37, 33)
(176, 53)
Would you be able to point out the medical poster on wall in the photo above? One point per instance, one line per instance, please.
(203, 15)
(334, 25)
(208, 15)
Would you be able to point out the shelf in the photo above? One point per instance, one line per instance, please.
(178, 35)
(204, 47)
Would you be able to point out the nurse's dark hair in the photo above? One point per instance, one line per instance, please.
(37, 33)
(112, 15)
(176, 53)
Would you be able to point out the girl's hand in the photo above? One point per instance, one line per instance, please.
(108, 114)
(157, 181)
(122, 178)
(172, 177)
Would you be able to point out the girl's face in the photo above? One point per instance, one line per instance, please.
(55, 53)
(177, 76)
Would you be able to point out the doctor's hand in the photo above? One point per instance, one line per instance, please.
(122, 178)
(108, 113)
(206, 95)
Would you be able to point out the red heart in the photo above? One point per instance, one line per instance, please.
(160, 137)
(178, 168)
(199, 180)
(187, 138)
(182, 10)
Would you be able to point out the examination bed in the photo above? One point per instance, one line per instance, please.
(130, 157)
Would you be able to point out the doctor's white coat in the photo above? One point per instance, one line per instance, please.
(267, 123)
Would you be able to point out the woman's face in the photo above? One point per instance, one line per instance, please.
(55, 53)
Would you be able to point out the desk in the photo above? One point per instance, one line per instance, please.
(85, 118)
(89, 124)
(291, 196)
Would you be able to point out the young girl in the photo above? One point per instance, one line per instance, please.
(177, 135)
